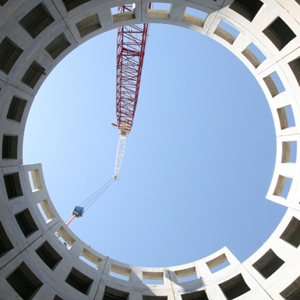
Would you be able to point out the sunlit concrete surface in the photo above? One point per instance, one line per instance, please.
(40, 257)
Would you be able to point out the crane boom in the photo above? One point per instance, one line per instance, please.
(131, 43)
(120, 153)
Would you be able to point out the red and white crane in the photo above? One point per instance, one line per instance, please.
(131, 43)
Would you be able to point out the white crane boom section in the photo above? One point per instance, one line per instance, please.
(120, 152)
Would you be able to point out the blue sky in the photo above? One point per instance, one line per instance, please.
(198, 162)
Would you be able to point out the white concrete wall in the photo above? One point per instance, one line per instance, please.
(23, 248)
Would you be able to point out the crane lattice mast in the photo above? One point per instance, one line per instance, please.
(131, 43)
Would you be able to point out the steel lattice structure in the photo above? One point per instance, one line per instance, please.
(131, 43)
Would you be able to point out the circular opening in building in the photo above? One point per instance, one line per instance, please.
(198, 162)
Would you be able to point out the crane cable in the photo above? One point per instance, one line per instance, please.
(88, 202)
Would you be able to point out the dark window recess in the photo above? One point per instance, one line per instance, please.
(201, 295)
(2, 2)
(248, 9)
(5, 243)
(9, 54)
(57, 46)
(10, 146)
(24, 282)
(79, 281)
(71, 4)
(295, 66)
(234, 287)
(146, 297)
(26, 222)
(13, 185)
(37, 20)
(292, 292)
(88, 25)
(48, 255)
(57, 298)
(292, 233)
(279, 33)
(16, 109)
(268, 264)
(113, 294)
(33, 74)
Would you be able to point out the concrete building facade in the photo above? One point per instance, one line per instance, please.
(44, 259)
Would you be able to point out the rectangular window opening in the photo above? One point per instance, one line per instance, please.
(37, 20)
(65, 238)
(199, 295)
(90, 258)
(159, 10)
(218, 263)
(16, 109)
(13, 186)
(292, 292)
(2, 2)
(10, 147)
(88, 262)
(274, 84)
(9, 54)
(196, 13)
(295, 66)
(153, 277)
(5, 243)
(279, 85)
(63, 241)
(35, 180)
(289, 152)
(88, 25)
(122, 15)
(120, 272)
(286, 117)
(186, 275)
(194, 16)
(24, 282)
(227, 32)
(71, 4)
(26, 222)
(33, 74)
(48, 255)
(79, 281)
(57, 46)
(254, 55)
(257, 52)
(111, 293)
(148, 297)
(291, 234)
(234, 287)
(46, 210)
(279, 33)
(283, 186)
(247, 9)
(161, 6)
(42, 212)
(268, 264)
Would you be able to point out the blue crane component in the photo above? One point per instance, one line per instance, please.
(88, 202)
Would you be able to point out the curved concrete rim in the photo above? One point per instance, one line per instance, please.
(35, 36)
